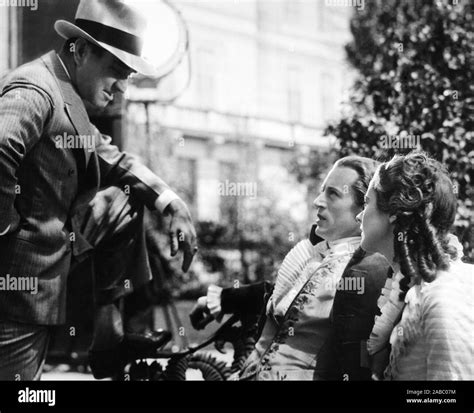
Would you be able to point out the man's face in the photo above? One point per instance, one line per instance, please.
(99, 76)
(335, 205)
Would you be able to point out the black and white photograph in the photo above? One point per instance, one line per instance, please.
(236, 190)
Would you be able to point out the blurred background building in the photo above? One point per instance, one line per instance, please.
(266, 78)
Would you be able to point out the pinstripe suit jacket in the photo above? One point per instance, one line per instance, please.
(41, 200)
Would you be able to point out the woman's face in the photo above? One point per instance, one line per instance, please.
(336, 210)
(376, 226)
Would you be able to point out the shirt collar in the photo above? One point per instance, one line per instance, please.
(64, 67)
(337, 247)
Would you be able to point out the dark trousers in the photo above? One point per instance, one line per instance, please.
(114, 227)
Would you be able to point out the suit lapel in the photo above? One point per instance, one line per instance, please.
(74, 106)
(77, 114)
(81, 125)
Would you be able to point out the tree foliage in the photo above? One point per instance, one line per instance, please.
(415, 80)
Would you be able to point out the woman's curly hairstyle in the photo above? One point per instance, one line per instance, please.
(417, 190)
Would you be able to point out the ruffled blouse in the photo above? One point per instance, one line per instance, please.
(434, 339)
(431, 332)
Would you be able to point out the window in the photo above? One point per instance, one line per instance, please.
(229, 207)
(294, 94)
(9, 38)
(187, 170)
(327, 95)
(4, 44)
(293, 11)
(321, 8)
(206, 77)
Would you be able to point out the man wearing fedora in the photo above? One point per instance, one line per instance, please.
(60, 204)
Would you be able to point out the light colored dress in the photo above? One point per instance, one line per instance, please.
(296, 342)
(434, 339)
(431, 332)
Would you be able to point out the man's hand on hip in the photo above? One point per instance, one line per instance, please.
(182, 233)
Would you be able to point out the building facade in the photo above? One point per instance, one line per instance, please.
(266, 78)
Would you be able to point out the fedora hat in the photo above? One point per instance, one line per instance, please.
(115, 25)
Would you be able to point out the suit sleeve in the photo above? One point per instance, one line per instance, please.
(127, 172)
(354, 314)
(24, 111)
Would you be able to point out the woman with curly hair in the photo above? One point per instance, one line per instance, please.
(427, 306)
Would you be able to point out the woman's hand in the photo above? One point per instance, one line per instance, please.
(379, 362)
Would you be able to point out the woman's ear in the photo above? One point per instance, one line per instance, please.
(392, 218)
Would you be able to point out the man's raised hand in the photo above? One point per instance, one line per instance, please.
(181, 231)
